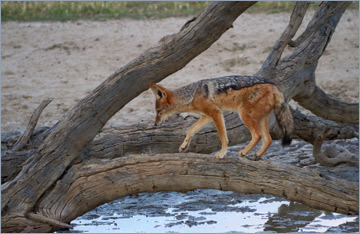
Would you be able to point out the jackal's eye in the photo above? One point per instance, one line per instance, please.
(158, 112)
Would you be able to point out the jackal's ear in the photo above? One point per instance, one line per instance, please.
(159, 91)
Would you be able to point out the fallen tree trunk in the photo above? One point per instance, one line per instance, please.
(95, 181)
(91, 182)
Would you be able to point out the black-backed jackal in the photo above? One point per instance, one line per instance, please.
(254, 98)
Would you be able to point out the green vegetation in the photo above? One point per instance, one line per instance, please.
(272, 7)
(64, 11)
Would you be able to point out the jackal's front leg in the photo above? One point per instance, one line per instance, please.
(220, 127)
(202, 122)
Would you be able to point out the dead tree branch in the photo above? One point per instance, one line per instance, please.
(23, 140)
(329, 107)
(311, 28)
(109, 179)
(295, 21)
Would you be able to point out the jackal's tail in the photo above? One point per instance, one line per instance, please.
(283, 117)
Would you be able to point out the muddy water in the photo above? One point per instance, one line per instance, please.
(209, 211)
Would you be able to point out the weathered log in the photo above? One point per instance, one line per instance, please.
(12, 163)
(95, 181)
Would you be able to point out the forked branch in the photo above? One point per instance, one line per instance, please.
(296, 18)
(311, 28)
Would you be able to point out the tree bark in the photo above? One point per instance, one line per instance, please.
(62, 179)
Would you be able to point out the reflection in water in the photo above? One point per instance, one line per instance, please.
(291, 218)
(209, 211)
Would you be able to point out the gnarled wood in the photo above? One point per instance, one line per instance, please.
(295, 21)
(332, 155)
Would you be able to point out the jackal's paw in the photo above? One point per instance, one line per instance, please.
(220, 155)
(241, 153)
(184, 146)
(253, 157)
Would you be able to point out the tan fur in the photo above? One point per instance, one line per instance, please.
(254, 105)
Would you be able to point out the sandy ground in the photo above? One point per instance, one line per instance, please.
(66, 61)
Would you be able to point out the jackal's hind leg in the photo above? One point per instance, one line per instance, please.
(266, 138)
(253, 126)
(202, 122)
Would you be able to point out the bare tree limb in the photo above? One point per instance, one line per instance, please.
(23, 140)
(329, 107)
(61, 181)
(311, 28)
(314, 45)
(296, 18)
(46, 220)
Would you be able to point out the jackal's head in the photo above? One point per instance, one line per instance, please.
(163, 105)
